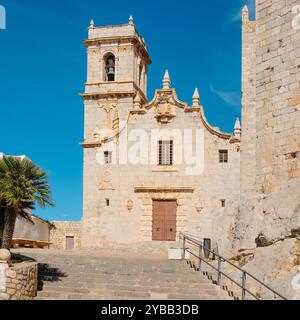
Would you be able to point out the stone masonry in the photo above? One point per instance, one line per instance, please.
(248, 146)
(267, 227)
(119, 195)
(277, 94)
(62, 230)
(271, 96)
(248, 205)
(18, 282)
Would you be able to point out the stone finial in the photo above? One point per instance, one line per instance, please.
(4, 256)
(92, 24)
(196, 98)
(137, 101)
(245, 14)
(131, 20)
(166, 81)
(237, 128)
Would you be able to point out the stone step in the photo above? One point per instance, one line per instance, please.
(140, 276)
(201, 284)
(74, 276)
(87, 290)
(125, 295)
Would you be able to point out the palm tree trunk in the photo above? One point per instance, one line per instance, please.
(9, 227)
(2, 211)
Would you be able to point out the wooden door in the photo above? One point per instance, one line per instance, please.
(164, 220)
(70, 243)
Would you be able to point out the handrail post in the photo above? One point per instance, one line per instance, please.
(219, 271)
(244, 285)
(183, 251)
(200, 251)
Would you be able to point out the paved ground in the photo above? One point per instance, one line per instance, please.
(99, 275)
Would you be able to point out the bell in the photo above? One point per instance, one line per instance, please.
(111, 71)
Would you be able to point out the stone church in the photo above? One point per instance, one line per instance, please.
(152, 169)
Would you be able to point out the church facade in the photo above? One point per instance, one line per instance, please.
(152, 169)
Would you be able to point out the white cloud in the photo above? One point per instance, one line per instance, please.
(232, 98)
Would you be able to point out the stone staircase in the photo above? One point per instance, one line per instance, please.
(78, 276)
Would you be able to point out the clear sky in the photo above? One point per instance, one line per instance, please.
(43, 69)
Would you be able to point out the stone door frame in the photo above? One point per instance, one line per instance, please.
(69, 236)
(182, 196)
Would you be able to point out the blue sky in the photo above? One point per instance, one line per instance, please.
(43, 69)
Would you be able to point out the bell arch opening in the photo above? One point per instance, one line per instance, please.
(109, 67)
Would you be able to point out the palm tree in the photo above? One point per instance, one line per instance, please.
(22, 185)
(1, 221)
(24, 213)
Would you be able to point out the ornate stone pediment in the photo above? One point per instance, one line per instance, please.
(165, 112)
(165, 104)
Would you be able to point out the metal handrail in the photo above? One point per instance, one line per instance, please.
(221, 259)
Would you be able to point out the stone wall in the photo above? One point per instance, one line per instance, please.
(277, 139)
(248, 140)
(277, 94)
(39, 231)
(199, 210)
(18, 282)
(114, 111)
(267, 228)
(62, 230)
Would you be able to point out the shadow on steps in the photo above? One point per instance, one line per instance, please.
(48, 274)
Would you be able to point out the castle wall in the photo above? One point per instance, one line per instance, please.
(277, 94)
(248, 140)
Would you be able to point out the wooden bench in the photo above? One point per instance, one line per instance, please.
(27, 243)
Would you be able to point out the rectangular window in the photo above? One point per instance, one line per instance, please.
(165, 153)
(107, 157)
(223, 156)
(107, 202)
(223, 203)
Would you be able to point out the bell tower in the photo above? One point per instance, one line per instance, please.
(117, 67)
(117, 62)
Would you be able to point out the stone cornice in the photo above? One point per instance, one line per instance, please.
(163, 189)
(174, 100)
(211, 129)
(192, 109)
(113, 94)
(233, 139)
(99, 95)
(135, 40)
(91, 145)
